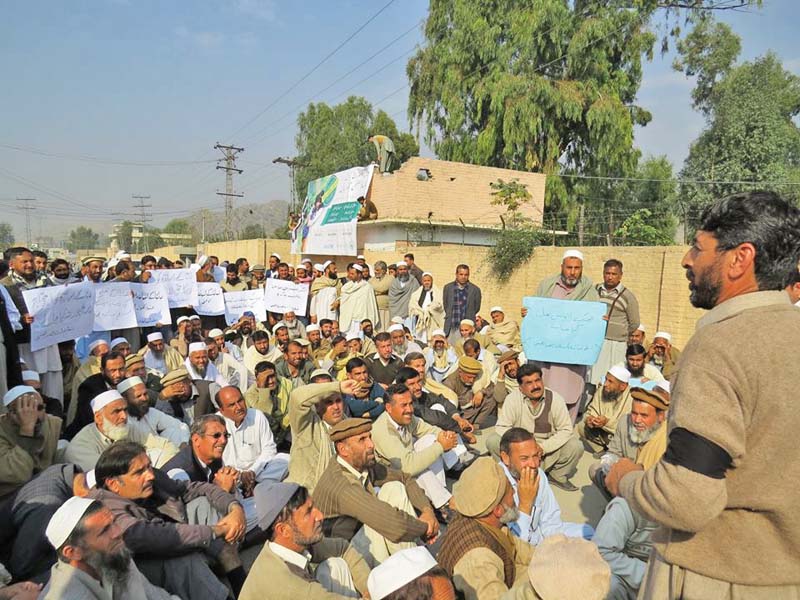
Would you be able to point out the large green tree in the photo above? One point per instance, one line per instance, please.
(177, 226)
(82, 238)
(125, 235)
(333, 138)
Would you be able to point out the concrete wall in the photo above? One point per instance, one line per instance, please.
(653, 274)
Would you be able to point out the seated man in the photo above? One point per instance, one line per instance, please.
(52, 406)
(172, 528)
(296, 542)
(640, 370)
(402, 342)
(150, 420)
(439, 356)
(293, 367)
(134, 367)
(384, 364)
(410, 573)
(490, 371)
(611, 402)
(199, 366)
(231, 370)
(544, 413)
(112, 371)
(662, 354)
(503, 333)
(183, 398)
(468, 332)
(367, 400)
(225, 347)
(319, 347)
(260, 350)
(379, 524)
(201, 458)
(181, 341)
(539, 513)
(93, 561)
(270, 394)
(478, 405)
(640, 437)
(294, 327)
(158, 358)
(313, 410)
(111, 425)
(623, 538)
(28, 438)
(91, 366)
(478, 551)
(405, 442)
(508, 366)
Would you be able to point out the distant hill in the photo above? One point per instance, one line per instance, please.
(268, 215)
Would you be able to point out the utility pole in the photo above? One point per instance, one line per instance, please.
(145, 218)
(27, 208)
(229, 154)
(293, 164)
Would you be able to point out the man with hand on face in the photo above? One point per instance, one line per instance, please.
(201, 459)
(270, 395)
(477, 405)
(111, 425)
(539, 513)
(28, 438)
(150, 420)
(379, 523)
(172, 528)
(662, 354)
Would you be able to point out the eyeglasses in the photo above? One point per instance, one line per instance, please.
(217, 435)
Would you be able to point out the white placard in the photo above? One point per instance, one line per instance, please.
(237, 303)
(151, 304)
(284, 296)
(210, 301)
(113, 306)
(181, 286)
(60, 313)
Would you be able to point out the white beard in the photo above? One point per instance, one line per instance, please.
(115, 432)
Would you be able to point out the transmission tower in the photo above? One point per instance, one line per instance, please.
(27, 208)
(229, 154)
(293, 165)
(144, 218)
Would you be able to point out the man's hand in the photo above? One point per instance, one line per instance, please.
(247, 480)
(349, 387)
(428, 517)
(226, 478)
(232, 526)
(477, 399)
(600, 421)
(618, 470)
(465, 425)
(447, 439)
(27, 318)
(527, 488)
(28, 415)
(144, 277)
(172, 390)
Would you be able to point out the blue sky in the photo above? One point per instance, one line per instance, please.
(161, 81)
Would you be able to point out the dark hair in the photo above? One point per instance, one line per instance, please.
(404, 374)
(233, 335)
(209, 341)
(634, 349)
(765, 220)
(409, 255)
(56, 262)
(297, 500)
(259, 335)
(241, 261)
(354, 363)
(3, 268)
(121, 267)
(472, 343)
(264, 365)
(15, 251)
(792, 278)
(412, 356)
(366, 321)
(514, 435)
(294, 343)
(116, 460)
(231, 268)
(147, 258)
(283, 264)
(612, 262)
(383, 336)
(462, 266)
(199, 424)
(338, 340)
(325, 322)
(79, 531)
(110, 356)
(527, 370)
(395, 390)
(39, 254)
(214, 257)
(419, 588)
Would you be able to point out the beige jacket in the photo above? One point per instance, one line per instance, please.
(89, 443)
(23, 457)
(397, 452)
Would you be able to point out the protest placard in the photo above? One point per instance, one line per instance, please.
(563, 331)
(181, 286)
(237, 303)
(151, 304)
(113, 306)
(284, 296)
(60, 313)
(210, 301)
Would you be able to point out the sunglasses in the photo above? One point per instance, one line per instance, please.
(217, 435)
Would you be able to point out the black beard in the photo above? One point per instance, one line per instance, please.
(137, 410)
(115, 567)
(636, 372)
(608, 396)
(332, 275)
(704, 292)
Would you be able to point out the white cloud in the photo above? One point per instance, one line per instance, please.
(260, 9)
(202, 39)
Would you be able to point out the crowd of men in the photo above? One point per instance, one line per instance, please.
(395, 441)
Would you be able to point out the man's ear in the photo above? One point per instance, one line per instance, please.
(72, 552)
(742, 261)
(505, 458)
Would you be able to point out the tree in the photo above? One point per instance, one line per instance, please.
(150, 240)
(82, 238)
(253, 231)
(125, 235)
(177, 226)
(333, 138)
(6, 235)
(637, 230)
(512, 195)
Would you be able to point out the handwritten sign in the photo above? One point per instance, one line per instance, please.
(210, 301)
(237, 303)
(60, 313)
(563, 331)
(181, 286)
(150, 304)
(113, 306)
(286, 296)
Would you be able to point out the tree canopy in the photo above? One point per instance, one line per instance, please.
(6, 235)
(82, 238)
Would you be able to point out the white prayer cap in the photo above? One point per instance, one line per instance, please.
(664, 385)
(397, 320)
(123, 255)
(351, 336)
(326, 264)
(438, 333)
(361, 256)
(469, 322)
(202, 260)
(198, 347)
(279, 325)
(395, 327)
(428, 274)
(497, 309)
(572, 253)
(195, 318)
(276, 255)
(117, 341)
(312, 327)
(102, 400)
(398, 570)
(155, 336)
(305, 260)
(112, 263)
(16, 392)
(641, 328)
(663, 334)
(30, 376)
(620, 373)
(65, 519)
(128, 383)
(318, 267)
(91, 480)
(181, 320)
(401, 263)
(216, 332)
(290, 265)
(357, 267)
(95, 344)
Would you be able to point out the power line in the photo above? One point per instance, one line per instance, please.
(145, 218)
(229, 153)
(27, 208)
(102, 161)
